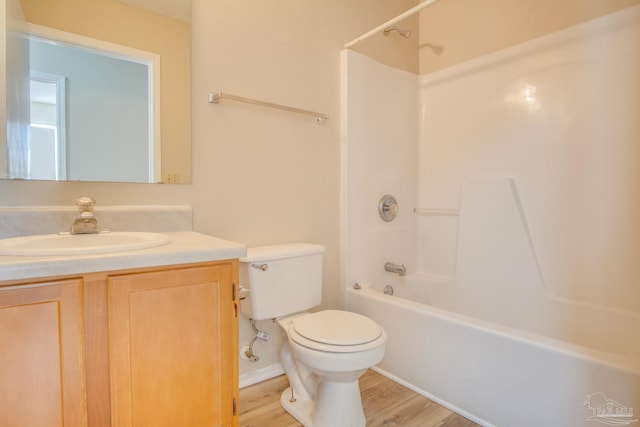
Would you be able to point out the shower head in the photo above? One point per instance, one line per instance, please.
(404, 33)
(434, 48)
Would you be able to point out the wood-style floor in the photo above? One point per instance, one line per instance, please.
(386, 404)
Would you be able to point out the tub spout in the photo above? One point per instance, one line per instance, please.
(395, 268)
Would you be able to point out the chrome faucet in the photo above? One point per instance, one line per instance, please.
(395, 268)
(86, 223)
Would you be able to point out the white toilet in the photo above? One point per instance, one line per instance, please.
(326, 351)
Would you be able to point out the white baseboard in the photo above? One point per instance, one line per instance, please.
(260, 375)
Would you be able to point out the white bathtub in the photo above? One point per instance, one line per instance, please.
(500, 375)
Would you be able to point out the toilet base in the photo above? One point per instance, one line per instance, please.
(300, 408)
(338, 405)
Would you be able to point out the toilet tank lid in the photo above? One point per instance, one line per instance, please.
(288, 250)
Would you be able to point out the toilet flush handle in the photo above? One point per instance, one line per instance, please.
(243, 293)
(263, 267)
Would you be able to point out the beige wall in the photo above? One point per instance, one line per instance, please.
(121, 24)
(467, 29)
(272, 177)
(265, 176)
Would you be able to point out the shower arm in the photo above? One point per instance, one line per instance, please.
(404, 33)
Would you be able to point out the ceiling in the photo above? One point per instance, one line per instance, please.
(178, 9)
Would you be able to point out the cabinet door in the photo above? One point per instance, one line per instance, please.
(42, 380)
(173, 347)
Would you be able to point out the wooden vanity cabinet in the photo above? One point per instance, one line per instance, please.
(163, 373)
(147, 347)
(41, 355)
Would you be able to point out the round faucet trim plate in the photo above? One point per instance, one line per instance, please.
(388, 208)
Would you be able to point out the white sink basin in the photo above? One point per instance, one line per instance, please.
(80, 244)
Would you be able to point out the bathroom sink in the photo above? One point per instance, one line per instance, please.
(80, 244)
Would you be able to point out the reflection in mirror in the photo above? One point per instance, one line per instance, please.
(80, 115)
(47, 143)
(79, 89)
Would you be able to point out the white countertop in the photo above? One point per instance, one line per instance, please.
(185, 247)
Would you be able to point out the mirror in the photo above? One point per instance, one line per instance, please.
(97, 91)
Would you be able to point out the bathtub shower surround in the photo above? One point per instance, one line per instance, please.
(379, 151)
(557, 115)
(520, 299)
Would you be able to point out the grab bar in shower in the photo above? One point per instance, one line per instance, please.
(215, 97)
(436, 212)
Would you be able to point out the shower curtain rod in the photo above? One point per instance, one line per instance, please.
(390, 22)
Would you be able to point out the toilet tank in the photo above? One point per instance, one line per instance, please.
(282, 279)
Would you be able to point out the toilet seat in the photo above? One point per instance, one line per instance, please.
(335, 331)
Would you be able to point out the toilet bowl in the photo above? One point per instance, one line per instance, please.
(323, 353)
